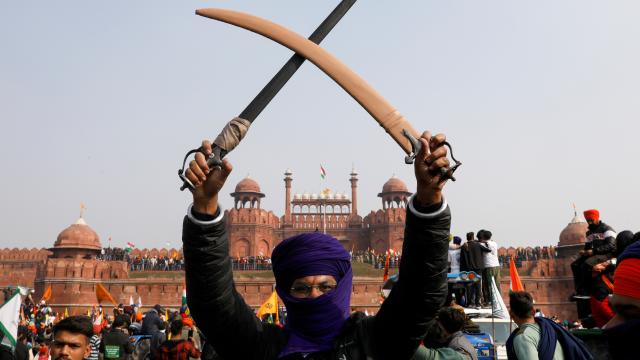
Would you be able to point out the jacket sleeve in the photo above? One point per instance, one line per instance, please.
(217, 308)
(401, 323)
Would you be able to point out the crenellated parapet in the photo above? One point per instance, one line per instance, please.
(252, 216)
(86, 269)
(33, 254)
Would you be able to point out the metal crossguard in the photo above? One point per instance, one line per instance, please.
(416, 146)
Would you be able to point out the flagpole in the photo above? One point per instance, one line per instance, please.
(324, 217)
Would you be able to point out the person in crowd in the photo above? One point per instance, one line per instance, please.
(599, 248)
(471, 259)
(151, 322)
(454, 255)
(539, 337)
(95, 341)
(539, 313)
(42, 352)
(71, 338)
(313, 278)
(21, 350)
(454, 267)
(178, 348)
(491, 263)
(624, 239)
(623, 329)
(453, 320)
(116, 344)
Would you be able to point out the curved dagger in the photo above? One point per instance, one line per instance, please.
(376, 105)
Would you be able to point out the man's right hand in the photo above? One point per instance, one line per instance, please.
(207, 182)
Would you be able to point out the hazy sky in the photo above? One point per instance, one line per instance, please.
(101, 100)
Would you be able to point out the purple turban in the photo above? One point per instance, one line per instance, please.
(312, 324)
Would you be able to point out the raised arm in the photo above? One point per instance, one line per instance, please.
(218, 309)
(401, 323)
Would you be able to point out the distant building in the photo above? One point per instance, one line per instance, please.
(254, 231)
(71, 269)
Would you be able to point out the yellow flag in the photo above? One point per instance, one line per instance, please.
(269, 307)
(66, 313)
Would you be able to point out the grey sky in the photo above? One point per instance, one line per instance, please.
(100, 101)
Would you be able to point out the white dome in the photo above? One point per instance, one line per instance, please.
(314, 196)
(323, 196)
(297, 196)
(305, 196)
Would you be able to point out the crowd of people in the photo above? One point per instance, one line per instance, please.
(145, 262)
(125, 333)
(175, 262)
(528, 254)
(480, 256)
(377, 260)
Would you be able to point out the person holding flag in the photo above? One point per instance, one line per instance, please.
(314, 279)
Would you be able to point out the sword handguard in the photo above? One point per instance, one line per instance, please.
(416, 146)
(214, 160)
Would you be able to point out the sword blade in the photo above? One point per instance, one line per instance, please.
(264, 97)
(278, 81)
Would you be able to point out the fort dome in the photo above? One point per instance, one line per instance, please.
(574, 233)
(248, 185)
(394, 184)
(77, 241)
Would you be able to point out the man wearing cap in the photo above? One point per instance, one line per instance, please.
(313, 278)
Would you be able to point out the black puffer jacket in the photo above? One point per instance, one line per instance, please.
(394, 333)
(601, 238)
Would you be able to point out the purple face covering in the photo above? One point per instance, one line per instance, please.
(312, 324)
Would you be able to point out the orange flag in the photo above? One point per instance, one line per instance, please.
(47, 294)
(103, 294)
(516, 284)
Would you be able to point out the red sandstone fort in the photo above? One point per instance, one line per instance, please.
(71, 269)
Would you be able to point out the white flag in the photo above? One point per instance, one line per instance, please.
(9, 320)
(131, 300)
(139, 303)
(499, 309)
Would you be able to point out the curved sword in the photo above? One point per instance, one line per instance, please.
(235, 130)
(380, 109)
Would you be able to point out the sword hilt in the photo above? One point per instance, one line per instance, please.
(214, 160)
(416, 146)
